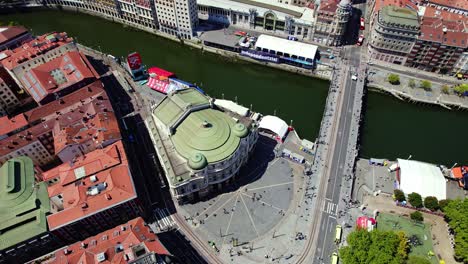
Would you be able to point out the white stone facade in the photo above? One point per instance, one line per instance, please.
(177, 17)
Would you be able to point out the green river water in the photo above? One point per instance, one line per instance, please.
(391, 129)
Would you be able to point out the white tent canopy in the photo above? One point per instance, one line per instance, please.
(290, 47)
(231, 106)
(275, 125)
(423, 178)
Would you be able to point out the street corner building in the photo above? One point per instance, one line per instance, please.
(130, 243)
(201, 146)
(24, 206)
(91, 194)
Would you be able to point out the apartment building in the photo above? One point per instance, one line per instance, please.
(46, 134)
(138, 12)
(331, 19)
(14, 36)
(42, 49)
(24, 206)
(393, 34)
(453, 6)
(177, 17)
(58, 77)
(91, 194)
(129, 243)
(10, 94)
(461, 66)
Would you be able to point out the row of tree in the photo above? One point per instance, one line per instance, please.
(456, 214)
(378, 247)
(415, 199)
(395, 80)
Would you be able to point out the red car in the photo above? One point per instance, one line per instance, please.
(240, 33)
(360, 40)
(362, 26)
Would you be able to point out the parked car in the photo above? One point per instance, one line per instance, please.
(362, 25)
(360, 40)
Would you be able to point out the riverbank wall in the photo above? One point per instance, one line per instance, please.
(323, 72)
(412, 98)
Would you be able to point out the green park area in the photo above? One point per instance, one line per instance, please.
(418, 234)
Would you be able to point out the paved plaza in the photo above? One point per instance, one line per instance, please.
(243, 221)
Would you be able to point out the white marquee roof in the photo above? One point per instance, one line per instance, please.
(291, 47)
(231, 106)
(423, 178)
(274, 124)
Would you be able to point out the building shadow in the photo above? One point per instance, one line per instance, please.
(176, 243)
(352, 28)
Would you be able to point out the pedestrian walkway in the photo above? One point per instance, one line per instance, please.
(164, 220)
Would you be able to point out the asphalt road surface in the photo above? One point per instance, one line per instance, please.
(328, 224)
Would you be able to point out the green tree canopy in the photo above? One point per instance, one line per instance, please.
(461, 89)
(415, 200)
(426, 85)
(417, 216)
(456, 214)
(443, 204)
(399, 195)
(393, 78)
(379, 247)
(445, 89)
(431, 203)
(417, 260)
(411, 83)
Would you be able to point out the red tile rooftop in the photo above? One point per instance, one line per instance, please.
(143, 3)
(93, 132)
(121, 244)
(8, 125)
(94, 182)
(460, 4)
(57, 74)
(40, 45)
(433, 12)
(328, 6)
(450, 33)
(8, 33)
(412, 4)
(68, 103)
(83, 106)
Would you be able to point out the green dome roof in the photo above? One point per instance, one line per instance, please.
(240, 130)
(197, 161)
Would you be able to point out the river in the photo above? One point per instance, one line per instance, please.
(392, 128)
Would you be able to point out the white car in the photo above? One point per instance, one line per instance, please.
(354, 77)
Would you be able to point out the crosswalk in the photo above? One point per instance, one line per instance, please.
(164, 220)
(329, 207)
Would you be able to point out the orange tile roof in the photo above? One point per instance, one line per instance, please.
(40, 45)
(57, 74)
(9, 33)
(450, 33)
(460, 4)
(8, 125)
(95, 131)
(69, 102)
(87, 101)
(81, 196)
(433, 12)
(328, 6)
(124, 238)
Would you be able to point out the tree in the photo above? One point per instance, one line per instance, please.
(365, 247)
(417, 216)
(411, 83)
(417, 260)
(393, 78)
(399, 195)
(456, 214)
(426, 85)
(443, 203)
(461, 89)
(415, 200)
(431, 203)
(445, 89)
